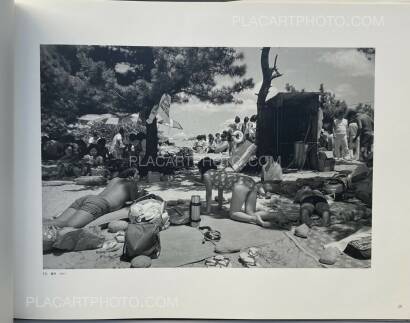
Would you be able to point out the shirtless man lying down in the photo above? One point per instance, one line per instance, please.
(88, 208)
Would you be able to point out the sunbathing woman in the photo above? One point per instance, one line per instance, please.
(244, 193)
(90, 207)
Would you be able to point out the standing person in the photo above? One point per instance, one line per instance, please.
(245, 126)
(340, 127)
(218, 139)
(117, 144)
(140, 145)
(211, 143)
(229, 138)
(251, 136)
(354, 141)
(365, 132)
(237, 125)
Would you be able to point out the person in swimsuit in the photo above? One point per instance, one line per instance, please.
(90, 207)
(244, 192)
(312, 201)
(70, 224)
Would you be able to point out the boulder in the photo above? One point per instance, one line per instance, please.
(141, 262)
(302, 231)
(329, 256)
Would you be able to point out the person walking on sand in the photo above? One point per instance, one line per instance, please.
(340, 127)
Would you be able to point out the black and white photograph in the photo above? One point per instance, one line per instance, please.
(206, 157)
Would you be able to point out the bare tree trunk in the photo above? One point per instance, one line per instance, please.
(266, 81)
(268, 74)
(152, 137)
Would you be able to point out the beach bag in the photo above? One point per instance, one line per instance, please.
(272, 171)
(142, 239)
(326, 161)
(149, 209)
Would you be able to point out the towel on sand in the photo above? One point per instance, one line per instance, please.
(181, 245)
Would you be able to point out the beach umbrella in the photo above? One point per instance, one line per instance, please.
(107, 125)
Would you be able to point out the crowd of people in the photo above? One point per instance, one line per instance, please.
(227, 140)
(350, 137)
(90, 156)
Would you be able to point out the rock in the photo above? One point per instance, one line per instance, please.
(118, 225)
(329, 256)
(141, 262)
(224, 247)
(302, 231)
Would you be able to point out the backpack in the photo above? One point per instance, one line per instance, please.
(142, 239)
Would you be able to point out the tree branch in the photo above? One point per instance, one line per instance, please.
(268, 74)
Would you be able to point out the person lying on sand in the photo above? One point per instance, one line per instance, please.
(90, 207)
(312, 201)
(244, 192)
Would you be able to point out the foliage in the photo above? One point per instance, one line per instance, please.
(366, 109)
(78, 80)
(368, 52)
(330, 106)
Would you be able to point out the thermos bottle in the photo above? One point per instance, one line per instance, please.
(195, 208)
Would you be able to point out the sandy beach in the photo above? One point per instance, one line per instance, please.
(184, 246)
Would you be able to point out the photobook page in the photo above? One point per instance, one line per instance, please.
(210, 160)
(6, 157)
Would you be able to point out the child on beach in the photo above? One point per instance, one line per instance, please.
(340, 129)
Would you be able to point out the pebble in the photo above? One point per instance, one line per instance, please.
(116, 226)
(141, 262)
